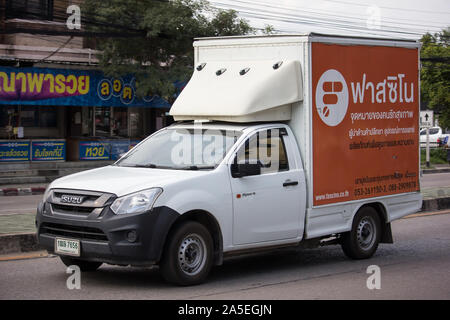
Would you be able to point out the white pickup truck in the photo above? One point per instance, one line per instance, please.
(280, 141)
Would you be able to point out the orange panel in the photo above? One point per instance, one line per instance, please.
(365, 122)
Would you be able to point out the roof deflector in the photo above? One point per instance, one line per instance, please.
(262, 93)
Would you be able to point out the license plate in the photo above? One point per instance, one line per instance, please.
(67, 247)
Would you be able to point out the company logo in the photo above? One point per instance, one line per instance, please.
(71, 199)
(332, 97)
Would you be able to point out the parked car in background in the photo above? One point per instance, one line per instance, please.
(437, 137)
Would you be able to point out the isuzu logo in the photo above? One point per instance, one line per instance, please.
(66, 198)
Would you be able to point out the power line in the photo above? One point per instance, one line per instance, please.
(298, 19)
(390, 8)
(328, 14)
(333, 21)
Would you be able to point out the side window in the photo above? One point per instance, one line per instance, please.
(268, 148)
(434, 130)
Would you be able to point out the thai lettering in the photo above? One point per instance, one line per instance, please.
(60, 83)
(393, 89)
(83, 84)
(8, 85)
(382, 115)
(51, 82)
(73, 87)
(40, 83)
(104, 89)
(23, 78)
(35, 82)
(44, 153)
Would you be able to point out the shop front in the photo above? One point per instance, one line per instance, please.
(63, 114)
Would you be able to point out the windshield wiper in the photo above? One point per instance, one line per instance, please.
(196, 168)
(148, 165)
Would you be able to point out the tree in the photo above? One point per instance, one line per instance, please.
(435, 74)
(152, 39)
(268, 29)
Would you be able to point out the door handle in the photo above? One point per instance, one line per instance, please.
(290, 183)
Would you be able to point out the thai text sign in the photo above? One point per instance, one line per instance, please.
(47, 150)
(105, 150)
(365, 115)
(94, 150)
(14, 150)
(64, 87)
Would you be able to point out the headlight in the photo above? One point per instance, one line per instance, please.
(46, 194)
(137, 202)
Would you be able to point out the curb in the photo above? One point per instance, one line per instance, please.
(18, 242)
(21, 191)
(27, 242)
(436, 204)
(443, 170)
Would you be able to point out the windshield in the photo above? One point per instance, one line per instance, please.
(431, 131)
(179, 148)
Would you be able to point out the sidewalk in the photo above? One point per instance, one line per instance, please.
(437, 168)
(23, 189)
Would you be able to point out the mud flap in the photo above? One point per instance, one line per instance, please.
(386, 236)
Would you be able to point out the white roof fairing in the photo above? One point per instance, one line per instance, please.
(263, 93)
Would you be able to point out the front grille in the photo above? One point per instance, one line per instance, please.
(71, 209)
(76, 232)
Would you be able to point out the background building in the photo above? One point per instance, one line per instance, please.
(53, 95)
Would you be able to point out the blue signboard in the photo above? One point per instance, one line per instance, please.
(105, 150)
(15, 150)
(65, 87)
(94, 150)
(48, 150)
(118, 148)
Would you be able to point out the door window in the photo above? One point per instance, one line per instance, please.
(267, 147)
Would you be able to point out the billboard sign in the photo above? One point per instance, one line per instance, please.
(365, 116)
(48, 150)
(66, 87)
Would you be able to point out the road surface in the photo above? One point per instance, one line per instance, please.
(416, 266)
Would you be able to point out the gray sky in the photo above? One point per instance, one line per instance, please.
(399, 19)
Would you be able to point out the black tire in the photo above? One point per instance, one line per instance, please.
(188, 254)
(85, 266)
(362, 241)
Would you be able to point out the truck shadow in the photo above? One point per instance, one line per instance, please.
(234, 270)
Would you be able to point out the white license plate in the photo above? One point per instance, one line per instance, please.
(67, 247)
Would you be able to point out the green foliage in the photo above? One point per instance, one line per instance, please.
(268, 29)
(153, 38)
(437, 155)
(435, 74)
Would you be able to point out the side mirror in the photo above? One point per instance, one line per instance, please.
(239, 170)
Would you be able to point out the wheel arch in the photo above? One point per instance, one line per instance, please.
(380, 209)
(209, 221)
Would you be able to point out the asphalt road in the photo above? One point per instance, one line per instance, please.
(28, 204)
(416, 266)
(435, 180)
(19, 204)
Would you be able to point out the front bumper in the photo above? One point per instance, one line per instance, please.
(104, 235)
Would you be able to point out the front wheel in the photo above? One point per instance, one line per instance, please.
(188, 255)
(362, 241)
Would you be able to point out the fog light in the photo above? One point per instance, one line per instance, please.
(132, 236)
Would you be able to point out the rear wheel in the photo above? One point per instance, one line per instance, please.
(188, 255)
(85, 266)
(362, 241)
